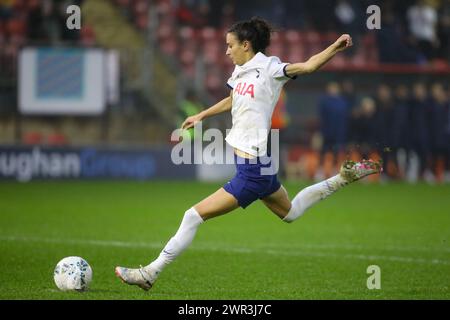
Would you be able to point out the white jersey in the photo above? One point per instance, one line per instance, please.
(256, 88)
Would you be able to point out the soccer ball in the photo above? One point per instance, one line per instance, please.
(72, 273)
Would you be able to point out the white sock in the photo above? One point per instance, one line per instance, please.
(313, 194)
(180, 241)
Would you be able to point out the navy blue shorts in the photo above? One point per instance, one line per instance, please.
(249, 184)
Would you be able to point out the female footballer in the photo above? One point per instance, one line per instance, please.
(255, 86)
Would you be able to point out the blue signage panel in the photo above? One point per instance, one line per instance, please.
(28, 163)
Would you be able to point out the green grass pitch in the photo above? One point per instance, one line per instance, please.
(248, 254)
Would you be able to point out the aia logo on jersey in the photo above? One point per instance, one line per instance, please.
(244, 88)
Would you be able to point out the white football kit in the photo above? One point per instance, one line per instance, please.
(256, 88)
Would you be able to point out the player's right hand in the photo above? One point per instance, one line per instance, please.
(191, 121)
(345, 41)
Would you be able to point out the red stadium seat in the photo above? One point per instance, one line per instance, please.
(293, 37)
(214, 80)
(169, 46)
(165, 29)
(142, 21)
(227, 65)
(187, 34)
(208, 34)
(189, 70)
(276, 50)
(338, 61)
(187, 56)
(212, 52)
(295, 54)
(16, 27)
(33, 137)
(359, 59)
(31, 4)
(19, 5)
(57, 139)
(140, 7)
(164, 7)
(124, 3)
(313, 37)
(331, 37)
(277, 46)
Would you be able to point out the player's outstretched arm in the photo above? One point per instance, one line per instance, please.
(318, 60)
(222, 106)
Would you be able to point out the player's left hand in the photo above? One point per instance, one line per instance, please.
(344, 42)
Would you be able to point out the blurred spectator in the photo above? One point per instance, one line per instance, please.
(400, 116)
(438, 126)
(422, 18)
(418, 129)
(400, 126)
(384, 123)
(348, 92)
(333, 111)
(443, 32)
(392, 46)
(363, 126)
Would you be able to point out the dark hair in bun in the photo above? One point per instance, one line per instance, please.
(256, 30)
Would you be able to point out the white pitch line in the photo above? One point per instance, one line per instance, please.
(214, 247)
(362, 247)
